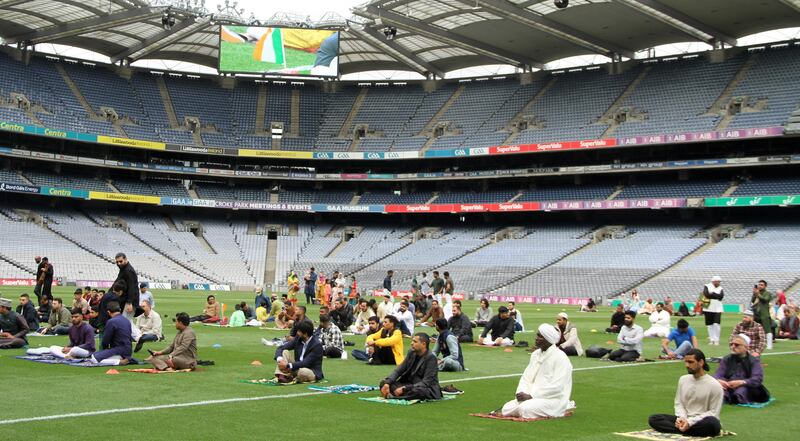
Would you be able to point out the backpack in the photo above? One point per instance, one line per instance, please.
(595, 351)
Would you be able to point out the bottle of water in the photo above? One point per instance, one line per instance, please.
(344, 355)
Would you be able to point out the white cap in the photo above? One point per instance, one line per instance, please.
(716, 279)
(563, 315)
(745, 338)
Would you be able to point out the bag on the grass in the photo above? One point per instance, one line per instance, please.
(595, 351)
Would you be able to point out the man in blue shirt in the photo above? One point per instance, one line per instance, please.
(684, 338)
(116, 343)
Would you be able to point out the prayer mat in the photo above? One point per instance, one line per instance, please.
(638, 360)
(758, 405)
(49, 359)
(521, 420)
(658, 436)
(275, 382)
(36, 334)
(345, 389)
(397, 402)
(156, 371)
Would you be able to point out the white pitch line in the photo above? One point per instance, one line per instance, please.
(303, 394)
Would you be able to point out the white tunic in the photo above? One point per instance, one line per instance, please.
(548, 380)
(714, 305)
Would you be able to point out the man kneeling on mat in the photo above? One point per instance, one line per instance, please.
(81, 340)
(417, 377)
(698, 401)
(305, 365)
(182, 353)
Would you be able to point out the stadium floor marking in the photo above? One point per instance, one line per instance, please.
(298, 395)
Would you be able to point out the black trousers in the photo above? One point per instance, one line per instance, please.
(332, 352)
(199, 318)
(623, 355)
(383, 356)
(712, 318)
(465, 338)
(570, 351)
(708, 426)
(411, 392)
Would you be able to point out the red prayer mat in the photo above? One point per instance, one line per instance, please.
(521, 420)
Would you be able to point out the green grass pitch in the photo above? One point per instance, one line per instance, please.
(608, 398)
(238, 57)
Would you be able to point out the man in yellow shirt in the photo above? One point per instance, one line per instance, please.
(386, 345)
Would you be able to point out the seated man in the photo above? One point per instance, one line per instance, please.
(13, 327)
(698, 402)
(568, 340)
(754, 332)
(149, 325)
(262, 313)
(28, 312)
(546, 385)
(483, 314)
(789, 324)
(617, 320)
(684, 338)
(116, 344)
(516, 315)
(590, 306)
(361, 322)
(740, 374)
(499, 331)
(145, 294)
(460, 325)
(447, 344)
(238, 320)
(79, 302)
(212, 311)
(331, 338)
(44, 309)
(659, 322)
(81, 340)
(59, 321)
(276, 307)
(417, 377)
(630, 340)
(433, 314)
(405, 318)
(182, 352)
(647, 308)
(286, 317)
(386, 345)
(305, 365)
(342, 314)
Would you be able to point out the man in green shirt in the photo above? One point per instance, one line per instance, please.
(760, 300)
(59, 321)
(276, 307)
(237, 318)
(437, 285)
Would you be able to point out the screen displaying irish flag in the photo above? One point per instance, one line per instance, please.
(280, 51)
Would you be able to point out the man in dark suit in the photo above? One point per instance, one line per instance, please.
(305, 364)
(44, 279)
(128, 275)
(417, 378)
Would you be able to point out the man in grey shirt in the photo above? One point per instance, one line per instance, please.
(630, 340)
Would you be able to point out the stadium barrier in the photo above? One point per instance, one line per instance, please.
(726, 307)
(677, 138)
(208, 287)
(542, 300)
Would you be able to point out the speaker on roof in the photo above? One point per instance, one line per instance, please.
(561, 4)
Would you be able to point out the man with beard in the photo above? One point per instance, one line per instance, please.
(617, 320)
(761, 309)
(417, 377)
(568, 340)
(27, 311)
(81, 340)
(753, 331)
(698, 401)
(711, 300)
(630, 340)
(128, 274)
(44, 279)
(545, 387)
(460, 325)
(13, 327)
(741, 375)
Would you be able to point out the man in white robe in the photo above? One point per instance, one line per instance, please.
(659, 323)
(545, 387)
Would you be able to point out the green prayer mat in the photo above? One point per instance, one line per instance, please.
(655, 435)
(398, 402)
(275, 382)
(758, 405)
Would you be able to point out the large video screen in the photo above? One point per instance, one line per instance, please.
(279, 51)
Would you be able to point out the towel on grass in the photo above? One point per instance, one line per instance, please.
(758, 405)
(345, 389)
(79, 362)
(655, 435)
(399, 402)
(275, 382)
(156, 371)
(521, 420)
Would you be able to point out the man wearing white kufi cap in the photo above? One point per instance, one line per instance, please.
(546, 384)
(711, 299)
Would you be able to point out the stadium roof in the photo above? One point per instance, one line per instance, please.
(432, 36)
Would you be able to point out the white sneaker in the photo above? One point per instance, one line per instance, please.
(266, 342)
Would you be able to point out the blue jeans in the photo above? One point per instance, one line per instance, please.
(681, 350)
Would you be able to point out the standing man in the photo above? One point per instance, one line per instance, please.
(711, 298)
(128, 274)
(630, 340)
(13, 327)
(182, 353)
(424, 285)
(761, 306)
(449, 285)
(311, 285)
(698, 401)
(546, 385)
(387, 281)
(44, 279)
(81, 340)
(437, 285)
(417, 377)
